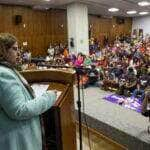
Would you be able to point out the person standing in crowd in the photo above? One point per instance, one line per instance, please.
(51, 52)
(146, 103)
(20, 127)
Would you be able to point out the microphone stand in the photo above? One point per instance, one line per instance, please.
(79, 107)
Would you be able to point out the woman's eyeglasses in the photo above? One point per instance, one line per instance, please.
(14, 48)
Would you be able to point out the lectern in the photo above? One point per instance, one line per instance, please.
(59, 121)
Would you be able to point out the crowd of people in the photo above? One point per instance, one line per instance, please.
(123, 67)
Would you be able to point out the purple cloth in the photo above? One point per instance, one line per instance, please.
(126, 102)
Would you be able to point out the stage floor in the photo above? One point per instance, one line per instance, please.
(125, 126)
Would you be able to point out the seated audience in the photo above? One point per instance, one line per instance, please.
(129, 85)
(142, 83)
(79, 61)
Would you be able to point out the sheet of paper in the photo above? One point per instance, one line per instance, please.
(39, 89)
(58, 94)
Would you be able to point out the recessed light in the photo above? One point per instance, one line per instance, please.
(40, 7)
(47, 0)
(131, 12)
(144, 3)
(144, 13)
(113, 9)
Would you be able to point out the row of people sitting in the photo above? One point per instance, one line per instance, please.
(127, 84)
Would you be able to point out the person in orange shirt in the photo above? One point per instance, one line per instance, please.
(65, 52)
(66, 55)
(142, 49)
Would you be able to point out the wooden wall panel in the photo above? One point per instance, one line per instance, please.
(59, 26)
(120, 29)
(101, 27)
(40, 28)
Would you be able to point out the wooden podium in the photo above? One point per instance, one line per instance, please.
(59, 121)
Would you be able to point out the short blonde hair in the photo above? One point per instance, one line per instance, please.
(7, 40)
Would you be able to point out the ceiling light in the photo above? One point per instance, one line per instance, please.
(40, 7)
(113, 9)
(131, 12)
(47, 0)
(144, 13)
(144, 3)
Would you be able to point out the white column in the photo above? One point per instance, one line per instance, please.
(77, 18)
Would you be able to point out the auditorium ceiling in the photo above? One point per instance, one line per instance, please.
(98, 7)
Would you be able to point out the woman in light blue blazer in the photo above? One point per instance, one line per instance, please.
(20, 127)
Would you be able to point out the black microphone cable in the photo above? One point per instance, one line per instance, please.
(84, 116)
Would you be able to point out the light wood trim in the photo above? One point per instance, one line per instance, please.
(99, 134)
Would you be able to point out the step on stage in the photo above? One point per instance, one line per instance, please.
(122, 125)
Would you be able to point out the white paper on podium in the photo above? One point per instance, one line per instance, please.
(58, 94)
(39, 89)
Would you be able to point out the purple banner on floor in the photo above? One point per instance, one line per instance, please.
(127, 102)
